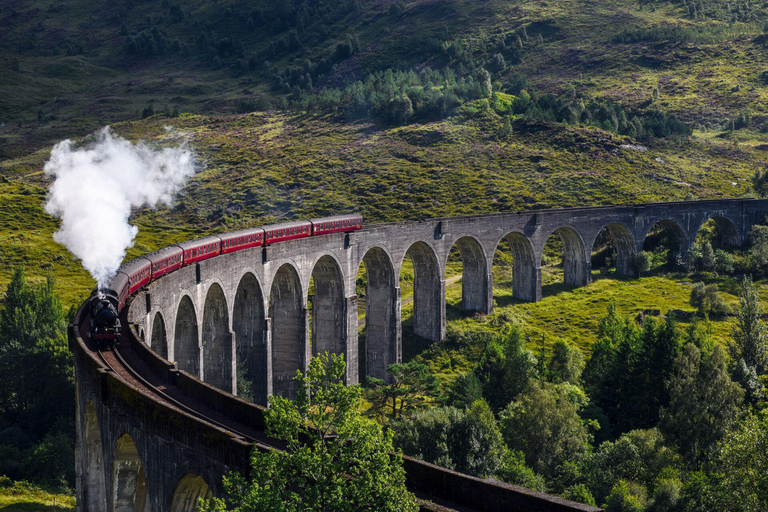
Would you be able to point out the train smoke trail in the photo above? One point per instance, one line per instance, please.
(95, 188)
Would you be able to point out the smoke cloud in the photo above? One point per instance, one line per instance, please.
(96, 186)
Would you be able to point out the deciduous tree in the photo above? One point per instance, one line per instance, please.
(335, 460)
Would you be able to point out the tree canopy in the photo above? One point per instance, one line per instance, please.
(336, 460)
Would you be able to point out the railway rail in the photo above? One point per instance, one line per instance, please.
(125, 363)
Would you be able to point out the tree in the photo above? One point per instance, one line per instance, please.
(399, 109)
(704, 402)
(758, 251)
(608, 373)
(346, 464)
(484, 79)
(652, 366)
(749, 349)
(566, 363)
(627, 497)
(637, 456)
(467, 440)
(505, 367)
(740, 467)
(36, 384)
(465, 391)
(544, 424)
(641, 263)
(707, 300)
(409, 383)
(760, 183)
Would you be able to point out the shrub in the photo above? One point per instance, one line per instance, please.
(641, 262)
(707, 300)
(627, 497)
(580, 494)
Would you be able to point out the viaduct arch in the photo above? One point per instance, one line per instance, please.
(249, 313)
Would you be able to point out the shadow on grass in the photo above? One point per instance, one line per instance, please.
(413, 344)
(33, 507)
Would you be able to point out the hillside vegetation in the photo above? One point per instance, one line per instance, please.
(70, 67)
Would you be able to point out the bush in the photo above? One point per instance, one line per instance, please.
(707, 300)
(641, 262)
(627, 497)
(580, 494)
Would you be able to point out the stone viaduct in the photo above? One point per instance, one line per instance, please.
(255, 310)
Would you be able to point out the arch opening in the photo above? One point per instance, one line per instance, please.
(159, 341)
(248, 326)
(709, 251)
(326, 302)
(564, 258)
(614, 248)
(467, 253)
(129, 492)
(420, 274)
(217, 341)
(289, 326)
(514, 266)
(188, 491)
(720, 231)
(667, 242)
(377, 302)
(186, 344)
(94, 490)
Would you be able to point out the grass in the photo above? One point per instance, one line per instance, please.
(568, 314)
(24, 497)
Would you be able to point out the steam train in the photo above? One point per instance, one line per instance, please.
(106, 304)
(104, 319)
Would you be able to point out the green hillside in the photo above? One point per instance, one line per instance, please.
(68, 68)
(400, 110)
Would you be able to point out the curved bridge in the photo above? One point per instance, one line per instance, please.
(254, 313)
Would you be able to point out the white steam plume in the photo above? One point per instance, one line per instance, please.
(95, 188)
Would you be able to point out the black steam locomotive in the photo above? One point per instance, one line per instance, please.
(105, 322)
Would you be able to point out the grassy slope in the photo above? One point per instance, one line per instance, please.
(696, 79)
(276, 165)
(264, 167)
(26, 498)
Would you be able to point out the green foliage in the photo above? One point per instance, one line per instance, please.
(407, 390)
(544, 424)
(749, 350)
(641, 262)
(707, 300)
(704, 403)
(465, 391)
(36, 413)
(467, 440)
(760, 183)
(565, 364)
(506, 367)
(244, 384)
(740, 466)
(639, 455)
(627, 497)
(580, 494)
(666, 495)
(629, 368)
(758, 251)
(347, 463)
(22, 496)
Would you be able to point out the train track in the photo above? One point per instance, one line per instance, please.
(112, 359)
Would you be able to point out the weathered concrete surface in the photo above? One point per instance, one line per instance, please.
(253, 305)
